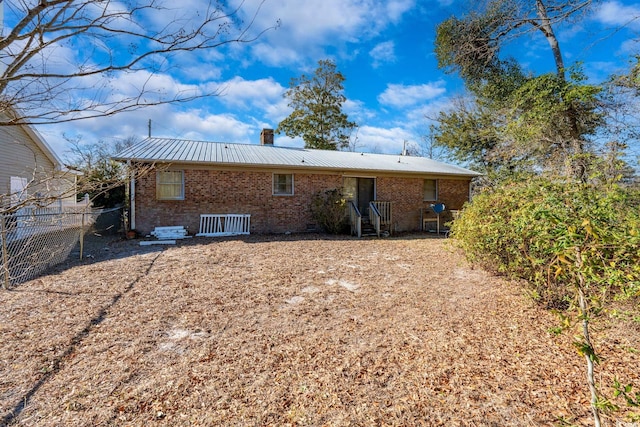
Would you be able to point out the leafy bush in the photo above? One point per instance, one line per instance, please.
(329, 210)
(557, 236)
(577, 244)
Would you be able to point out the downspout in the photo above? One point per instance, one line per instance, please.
(132, 197)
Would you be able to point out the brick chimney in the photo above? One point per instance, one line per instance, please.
(266, 137)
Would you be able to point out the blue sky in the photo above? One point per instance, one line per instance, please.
(383, 48)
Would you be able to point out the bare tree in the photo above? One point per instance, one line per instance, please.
(67, 60)
(60, 60)
(103, 178)
(471, 45)
(354, 140)
(428, 146)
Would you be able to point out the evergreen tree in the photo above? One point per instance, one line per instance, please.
(317, 114)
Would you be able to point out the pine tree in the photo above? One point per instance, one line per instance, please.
(317, 114)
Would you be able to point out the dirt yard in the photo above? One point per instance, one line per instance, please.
(292, 330)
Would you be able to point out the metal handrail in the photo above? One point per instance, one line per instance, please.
(374, 214)
(386, 213)
(355, 219)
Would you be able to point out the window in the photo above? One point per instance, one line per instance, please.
(283, 184)
(430, 189)
(350, 187)
(170, 185)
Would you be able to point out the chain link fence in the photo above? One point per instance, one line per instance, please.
(34, 239)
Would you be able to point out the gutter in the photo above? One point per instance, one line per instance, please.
(132, 197)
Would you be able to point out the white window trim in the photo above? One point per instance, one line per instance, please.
(424, 199)
(181, 197)
(273, 185)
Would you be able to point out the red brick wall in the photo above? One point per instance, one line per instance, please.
(212, 191)
(453, 193)
(407, 197)
(220, 192)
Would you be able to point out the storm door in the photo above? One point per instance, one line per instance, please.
(361, 191)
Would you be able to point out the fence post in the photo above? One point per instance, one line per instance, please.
(82, 236)
(5, 253)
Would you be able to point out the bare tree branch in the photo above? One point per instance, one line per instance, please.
(60, 58)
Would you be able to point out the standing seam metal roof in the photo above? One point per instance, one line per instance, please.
(167, 150)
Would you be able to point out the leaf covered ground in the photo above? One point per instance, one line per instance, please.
(293, 330)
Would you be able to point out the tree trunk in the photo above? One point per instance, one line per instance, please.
(589, 356)
(547, 30)
(590, 364)
(574, 147)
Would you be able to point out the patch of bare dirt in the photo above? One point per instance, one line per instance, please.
(291, 330)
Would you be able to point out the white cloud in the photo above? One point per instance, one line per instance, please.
(570, 32)
(383, 53)
(258, 104)
(212, 127)
(199, 124)
(418, 119)
(396, 9)
(199, 72)
(598, 71)
(285, 141)
(370, 139)
(357, 111)
(315, 29)
(166, 121)
(631, 47)
(54, 58)
(382, 140)
(618, 14)
(160, 85)
(307, 29)
(397, 95)
(241, 93)
(262, 96)
(281, 56)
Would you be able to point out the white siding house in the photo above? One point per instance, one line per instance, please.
(29, 167)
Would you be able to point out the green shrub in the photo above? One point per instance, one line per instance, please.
(329, 210)
(578, 245)
(556, 234)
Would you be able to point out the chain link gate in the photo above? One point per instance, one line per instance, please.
(35, 239)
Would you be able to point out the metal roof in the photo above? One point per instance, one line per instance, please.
(167, 150)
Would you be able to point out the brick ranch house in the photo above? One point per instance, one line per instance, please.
(275, 185)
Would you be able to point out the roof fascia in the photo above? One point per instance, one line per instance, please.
(307, 169)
